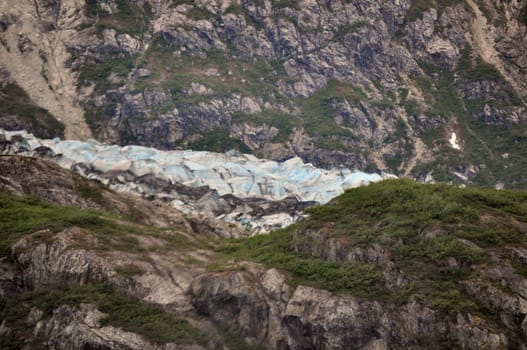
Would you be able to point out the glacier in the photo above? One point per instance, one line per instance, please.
(240, 175)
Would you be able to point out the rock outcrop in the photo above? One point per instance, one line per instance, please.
(268, 310)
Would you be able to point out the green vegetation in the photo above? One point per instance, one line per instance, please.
(293, 4)
(218, 141)
(350, 28)
(484, 142)
(332, 144)
(417, 7)
(523, 15)
(318, 109)
(235, 8)
(399, 137)
(443, 101)
(199, 13)
(130, 17)
(90, 190)
(276, 250)
(283, 122)
(99, 73)
(412, 107)
(488, 142)
(233, 75)
(149, 321)
(129, 270)
(22, 216)
(488, 13)
(478, 72)
(238, 9)
(421, 227)
(406, 208)
(176, 3)
(222, 74)
(92, 8)
(233, 340)
(15, 101)
(504, 152)
(96, 115)
(441, 92)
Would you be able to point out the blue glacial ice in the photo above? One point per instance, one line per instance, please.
(242, 175)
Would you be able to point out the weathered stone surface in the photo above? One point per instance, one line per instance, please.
(267, 310)
(80, 328)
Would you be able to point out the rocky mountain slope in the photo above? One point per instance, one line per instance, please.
(393, 265)
(78, 274)
(423, 88)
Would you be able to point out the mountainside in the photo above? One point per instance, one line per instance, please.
(392, 265)
(423, 88)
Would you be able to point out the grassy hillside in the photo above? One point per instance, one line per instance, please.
(435, 237)
(394, 241)
(26, 215)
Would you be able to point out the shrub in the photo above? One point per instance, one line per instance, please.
(149, 321)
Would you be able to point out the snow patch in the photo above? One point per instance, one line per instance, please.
(453, 141)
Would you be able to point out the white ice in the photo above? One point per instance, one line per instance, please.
(242, 175)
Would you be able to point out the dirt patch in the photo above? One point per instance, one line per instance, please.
(39, 66)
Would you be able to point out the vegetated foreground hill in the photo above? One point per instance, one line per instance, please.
(394, 265)
(366, 84)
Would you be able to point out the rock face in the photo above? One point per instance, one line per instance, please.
(268, 310)
(258, 302)
(369, 85)
(71, 328)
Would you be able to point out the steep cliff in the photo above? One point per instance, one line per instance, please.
(424, 88)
